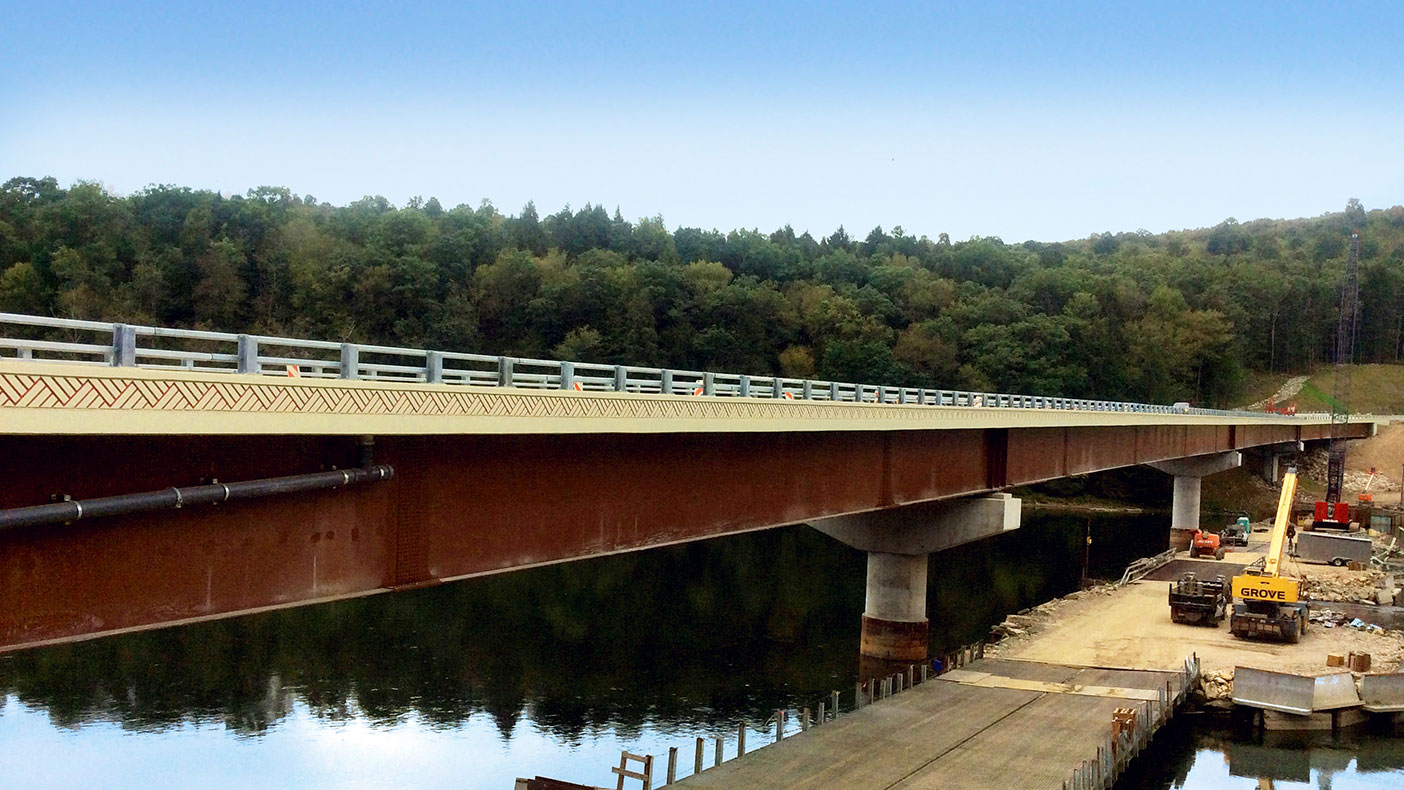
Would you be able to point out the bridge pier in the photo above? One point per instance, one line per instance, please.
(1188, 472)
(1272, 456)
(898, 541)
(895, 627)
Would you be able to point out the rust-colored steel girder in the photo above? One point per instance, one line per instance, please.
(461, 506)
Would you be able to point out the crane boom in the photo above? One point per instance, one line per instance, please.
(1265, 603)
(1278, 541)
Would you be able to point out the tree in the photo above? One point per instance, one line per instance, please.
(219, 294)
(21, 290)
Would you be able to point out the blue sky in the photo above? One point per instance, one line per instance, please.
(1022, 120)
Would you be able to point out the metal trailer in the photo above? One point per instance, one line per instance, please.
(1194, 601)
(1333, 548)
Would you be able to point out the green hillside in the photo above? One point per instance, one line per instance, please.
(1375, 389)
(1183, 315)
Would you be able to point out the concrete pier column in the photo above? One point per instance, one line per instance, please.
(1184, 507)
(898, 541)
(1270, 467)
(895, 627)
(1184, 510)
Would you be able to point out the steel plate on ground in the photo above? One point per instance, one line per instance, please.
(1206, 570)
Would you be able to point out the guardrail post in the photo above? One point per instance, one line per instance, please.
(350, 361)
(621, 378)
(434, 367)
(123, 346)
(717, 753)
(741, 739)
(709, 383)
(808, 390)
(743, 389)
(567, 375)
(672, 764)
(665, 382)
(697, 759)
(248, 355)
(779, 725)
(777, 389)
(833, 390)
(504, 371)
(833, 700)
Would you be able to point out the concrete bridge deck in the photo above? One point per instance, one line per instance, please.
(996, 723)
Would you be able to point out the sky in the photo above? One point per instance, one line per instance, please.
(1045, 121)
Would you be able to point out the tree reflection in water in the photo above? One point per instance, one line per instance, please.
(698, 634)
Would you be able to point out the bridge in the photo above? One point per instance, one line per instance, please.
(156, 476)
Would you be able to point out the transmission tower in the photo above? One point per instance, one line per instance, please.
(1346, 326)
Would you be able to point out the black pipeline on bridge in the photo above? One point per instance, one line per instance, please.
(69, 511)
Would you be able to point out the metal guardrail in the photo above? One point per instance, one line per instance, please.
(1139, 568)
(162, 348)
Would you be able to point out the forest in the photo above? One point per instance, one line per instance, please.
(1182, 315)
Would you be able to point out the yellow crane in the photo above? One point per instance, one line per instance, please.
(1265, 603)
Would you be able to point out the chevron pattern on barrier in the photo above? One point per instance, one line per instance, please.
(27, 391)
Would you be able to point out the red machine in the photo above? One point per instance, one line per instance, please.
(1206, 544)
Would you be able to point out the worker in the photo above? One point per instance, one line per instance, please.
(1291, 539)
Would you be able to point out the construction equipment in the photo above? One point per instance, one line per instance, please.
(1236, 534)
(1365, 496)
(1205, 544)
(1197, 602)
(1265, 603)
(1332, 513)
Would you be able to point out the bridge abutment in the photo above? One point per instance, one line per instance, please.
(1184, 507)
(898, 541)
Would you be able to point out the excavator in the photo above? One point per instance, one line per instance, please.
(1265, 604)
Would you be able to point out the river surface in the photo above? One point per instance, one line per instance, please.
(1195, 753)
(550, 671)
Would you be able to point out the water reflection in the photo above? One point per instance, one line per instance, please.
(1197, 753)
(663, 644)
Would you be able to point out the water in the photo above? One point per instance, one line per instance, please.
(1209, 755)
(549, 671)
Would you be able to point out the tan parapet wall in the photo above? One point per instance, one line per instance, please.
(54, 398)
